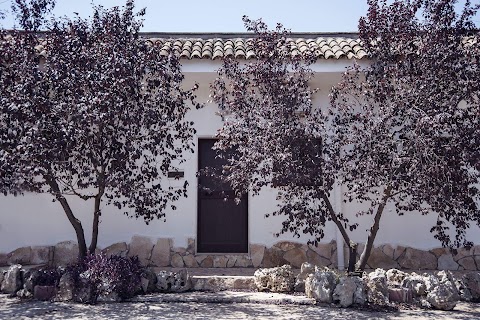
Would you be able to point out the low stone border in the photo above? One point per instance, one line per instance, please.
(438, 290)
(162, 253)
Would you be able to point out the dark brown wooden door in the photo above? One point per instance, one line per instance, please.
(222, 223)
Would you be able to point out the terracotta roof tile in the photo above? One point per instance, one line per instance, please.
(242, 48)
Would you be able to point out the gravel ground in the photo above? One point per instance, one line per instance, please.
(157, 307)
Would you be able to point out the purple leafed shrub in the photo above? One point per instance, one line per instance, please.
(49, 276)
(108, 274)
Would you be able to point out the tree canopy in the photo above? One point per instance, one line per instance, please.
(90, 109)
(408, 126)
(403, 131)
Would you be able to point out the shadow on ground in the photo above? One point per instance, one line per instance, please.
(15, 309)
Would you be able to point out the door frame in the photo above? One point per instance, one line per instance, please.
(197, 211)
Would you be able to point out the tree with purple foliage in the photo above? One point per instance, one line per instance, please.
(408, 126)
(403, 132)
(98, 114)
(279, 136)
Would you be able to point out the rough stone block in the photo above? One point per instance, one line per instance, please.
(295, 257)
(443, 296)
(190, 261)
(191, 245)
(402, 295)
(464, 252)
(161, 253)
(477, 261)
(334, 259)
(279, 279)
(416, 283)
(243, 262)
(418, 259)
(65, 253)
(209, 284)
(44, 293)
(476, 249)
(198, 283)
(24, 294)
(314, 258)
(395, 277)
(324, 250)
(3, 260)
(173, 281)
(244, 283)
(180, 250)
(118, 249)
(142, 247)
(66, 288)
(287, 245)
(200, 258)
(273, 257)
(148, 281)
(446, 262)
(177, 261)
(207, 262)
(377, 288)
(231, 261)
(220, 262)
(42, 255)
(399, 251)
(388, 250)
(256, 253)
(21, 256)
(12, 281)
(378, 259)
(471, 281)
(439, 251)
(468, 263)
(319, 285)
(350, 290)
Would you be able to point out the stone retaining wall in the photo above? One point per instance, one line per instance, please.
(162, 253)
(399, 257)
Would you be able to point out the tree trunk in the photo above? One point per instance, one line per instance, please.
(352, 257)
(96, 211)
(373, 230)
(96, 220)
(352, 246)
(77, 224)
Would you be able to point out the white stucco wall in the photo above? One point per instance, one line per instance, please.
(36, 220)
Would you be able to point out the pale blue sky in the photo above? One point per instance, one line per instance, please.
(225, 16)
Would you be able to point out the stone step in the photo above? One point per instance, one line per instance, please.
(211, 271)
(227, 297)
(222, 283)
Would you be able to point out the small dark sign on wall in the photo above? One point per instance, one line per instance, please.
(176, 174)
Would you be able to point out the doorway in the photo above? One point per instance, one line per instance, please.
(222, 224)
